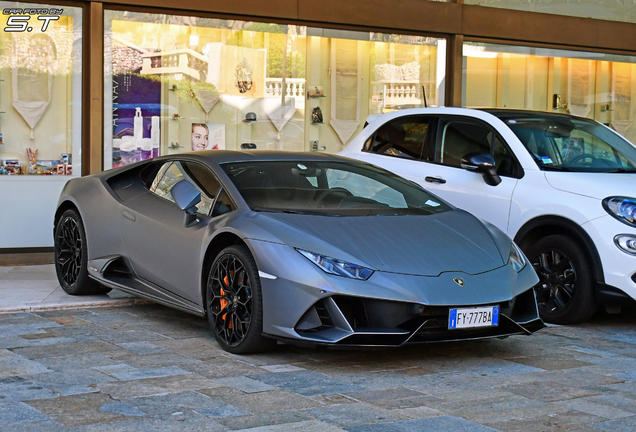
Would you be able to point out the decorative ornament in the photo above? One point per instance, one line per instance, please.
(316, 115)
(243, 75)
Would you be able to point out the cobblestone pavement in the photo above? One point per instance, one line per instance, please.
(147, 367)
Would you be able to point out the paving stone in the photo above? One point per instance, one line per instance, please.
(167, 404)
(550, 362)
(307, 383)
(14, 365)
(46, 425)
(17, 389)
(627, 424)
(78, 348)
(222, 367)
(77, 410)
(79, 377)
(593, 408)
(351, 415)
(259, 420)
(444, 423)
(548, 391)
(195, 422)
(281, 368)
(72, 362)
(614, 401)
(245, 384)
(7, 330)
(500, 409)
(148, 373)
(142, 347)
(265, 402)
(13, 342)
(223, 411)
(121, 408)
(304, 426)
(11, 413)
(573, 421)
(114, 368)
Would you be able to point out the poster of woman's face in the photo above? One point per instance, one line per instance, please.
(200, 137)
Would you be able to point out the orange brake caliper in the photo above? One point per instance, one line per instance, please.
(224, 302)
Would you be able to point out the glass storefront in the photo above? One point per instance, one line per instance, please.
(40, 116)
(40, 89)
(593, 85)
(176, 84)
(615, 10)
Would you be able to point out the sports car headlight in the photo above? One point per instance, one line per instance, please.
(516, 259)
(622, 208)
(337, 267)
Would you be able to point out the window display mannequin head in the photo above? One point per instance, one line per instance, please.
(200, 137)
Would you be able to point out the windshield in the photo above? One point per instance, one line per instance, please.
(329, 188)
(572, 144)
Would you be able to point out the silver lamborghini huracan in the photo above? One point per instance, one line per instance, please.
(306, 248)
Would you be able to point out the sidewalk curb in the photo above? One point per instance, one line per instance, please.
(76, 305)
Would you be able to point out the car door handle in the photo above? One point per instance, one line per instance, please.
(435, 180)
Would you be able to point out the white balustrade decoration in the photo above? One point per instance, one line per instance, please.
(398, 92)
(294, 88)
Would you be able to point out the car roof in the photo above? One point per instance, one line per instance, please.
(217, 157)
(507, 113)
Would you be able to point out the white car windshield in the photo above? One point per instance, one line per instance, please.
(565, 143)
(329, 188)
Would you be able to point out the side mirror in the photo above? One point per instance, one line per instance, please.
(482, 163)
(187, 197)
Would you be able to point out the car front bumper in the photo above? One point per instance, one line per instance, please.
(304, 304)
(619, 267)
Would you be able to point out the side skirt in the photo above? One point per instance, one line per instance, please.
(115, 273)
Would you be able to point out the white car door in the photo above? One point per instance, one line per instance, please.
(457, 137)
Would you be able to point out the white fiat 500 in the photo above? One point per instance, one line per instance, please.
(563, 187)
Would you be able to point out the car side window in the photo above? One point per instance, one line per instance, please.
(172, 173)
(457, 138)
(223, 204)
(504, 161)
(405, 137)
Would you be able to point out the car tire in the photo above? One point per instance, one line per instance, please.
(565, 292)
(234, 302)
(71, 256)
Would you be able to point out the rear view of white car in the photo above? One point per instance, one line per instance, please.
(563, 187)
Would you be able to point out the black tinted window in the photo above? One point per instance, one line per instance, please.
(405, 137)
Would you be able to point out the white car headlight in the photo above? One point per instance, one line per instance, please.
(516, 259)
(337, 267)
(622, 208)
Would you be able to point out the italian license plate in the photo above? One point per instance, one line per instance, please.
(473, 317)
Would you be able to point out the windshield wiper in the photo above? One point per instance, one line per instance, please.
(554, 168)
(304, 212)
(621, 170)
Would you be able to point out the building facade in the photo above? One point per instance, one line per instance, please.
(87, 86)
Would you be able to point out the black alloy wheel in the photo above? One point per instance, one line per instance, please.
(565, 289)
(71, 256)
(234, 303)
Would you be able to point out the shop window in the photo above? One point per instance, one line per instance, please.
(40, 89)
(176, 84)
(593, 85)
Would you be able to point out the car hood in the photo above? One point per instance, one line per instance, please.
(416, 245)
(593, 185)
